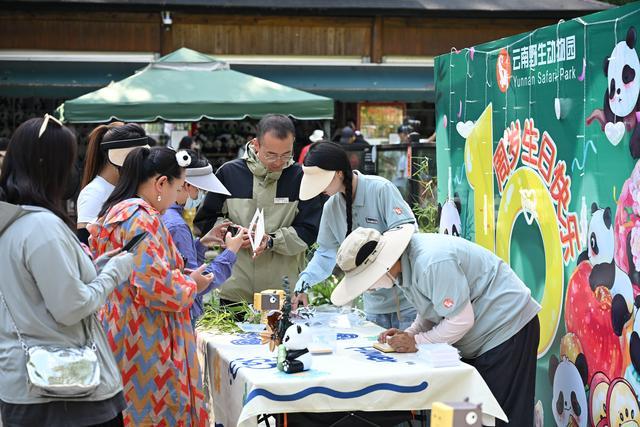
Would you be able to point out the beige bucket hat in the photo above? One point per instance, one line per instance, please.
(365, 256)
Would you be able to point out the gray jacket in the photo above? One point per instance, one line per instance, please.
(50, 284)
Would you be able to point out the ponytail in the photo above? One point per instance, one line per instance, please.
(95, 159)
(348, 195)
(332, 157)
(141, 165)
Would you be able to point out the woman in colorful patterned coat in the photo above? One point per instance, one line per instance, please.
(147, 318)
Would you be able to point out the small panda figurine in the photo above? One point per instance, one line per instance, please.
(569, 404)
(296, 342)
(605, 272)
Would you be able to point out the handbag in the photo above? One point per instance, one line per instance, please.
(60, 371)
(56, 371)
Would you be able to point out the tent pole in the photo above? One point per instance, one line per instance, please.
(327, 129)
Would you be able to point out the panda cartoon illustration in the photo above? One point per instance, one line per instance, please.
(622, 96)
(569, 404)
(622, 404)
(605, 272)
(449, 218)
(598, 403)
(632, 373)
(296, 342)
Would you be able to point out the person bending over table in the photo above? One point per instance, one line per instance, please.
(464, 295)
(356, 200)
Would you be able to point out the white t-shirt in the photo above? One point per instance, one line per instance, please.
(91, 199)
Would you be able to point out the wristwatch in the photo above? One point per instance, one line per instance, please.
(270, 243)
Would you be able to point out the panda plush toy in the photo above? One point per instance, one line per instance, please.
(296, 342)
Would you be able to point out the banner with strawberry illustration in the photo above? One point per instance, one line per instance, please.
(539, 135)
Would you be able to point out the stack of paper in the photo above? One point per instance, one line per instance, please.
(439, 355)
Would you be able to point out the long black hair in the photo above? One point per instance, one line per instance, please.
(140, 165)
(36, 170)
(96, 157)
(332, 157)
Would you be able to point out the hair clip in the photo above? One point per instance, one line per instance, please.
(183, 158)
(48, 117)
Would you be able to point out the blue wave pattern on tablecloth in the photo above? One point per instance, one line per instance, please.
(342, 337)
(249, 338)
(251, 363)
(335, 393)
(374, 355)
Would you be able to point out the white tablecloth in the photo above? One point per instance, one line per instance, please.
(243, 380)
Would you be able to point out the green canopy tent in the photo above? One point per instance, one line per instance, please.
(187, 86)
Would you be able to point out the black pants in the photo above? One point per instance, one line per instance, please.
(510, 372)
(65, 413)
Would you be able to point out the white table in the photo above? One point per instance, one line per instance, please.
(244, 383)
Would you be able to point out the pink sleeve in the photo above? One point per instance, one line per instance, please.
(419, 325)
(449, 331)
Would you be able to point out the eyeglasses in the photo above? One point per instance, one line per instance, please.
(48, 117)
(270, 157)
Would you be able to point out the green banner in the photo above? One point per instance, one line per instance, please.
(538, 135)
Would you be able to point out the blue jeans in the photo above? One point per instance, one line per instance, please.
(390, 320)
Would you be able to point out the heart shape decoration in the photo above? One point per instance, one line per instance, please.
(556, 106)
(614, 132)
(529, 203)
(465, 128)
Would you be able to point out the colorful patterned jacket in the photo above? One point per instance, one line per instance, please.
(148, 324)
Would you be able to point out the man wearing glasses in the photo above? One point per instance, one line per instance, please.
(264, 178)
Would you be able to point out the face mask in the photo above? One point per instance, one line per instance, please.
(387, 281)
(194, 203)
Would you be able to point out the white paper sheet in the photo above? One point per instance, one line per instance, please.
(256, 229)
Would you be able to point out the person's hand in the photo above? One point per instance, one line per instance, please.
(102, 260)
(202, 280)
(246, 243)
(403, 343)
(382, 338)
(121, 265)
(300, 298)
(262, 247)
(234, 243)
(216, 235)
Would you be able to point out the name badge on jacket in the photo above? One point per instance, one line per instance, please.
(280, 200)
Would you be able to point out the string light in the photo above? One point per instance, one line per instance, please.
(530, 35)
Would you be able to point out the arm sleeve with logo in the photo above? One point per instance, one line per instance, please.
(445, 285)
(395, 210)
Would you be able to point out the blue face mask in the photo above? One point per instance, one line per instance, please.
(194, 203)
